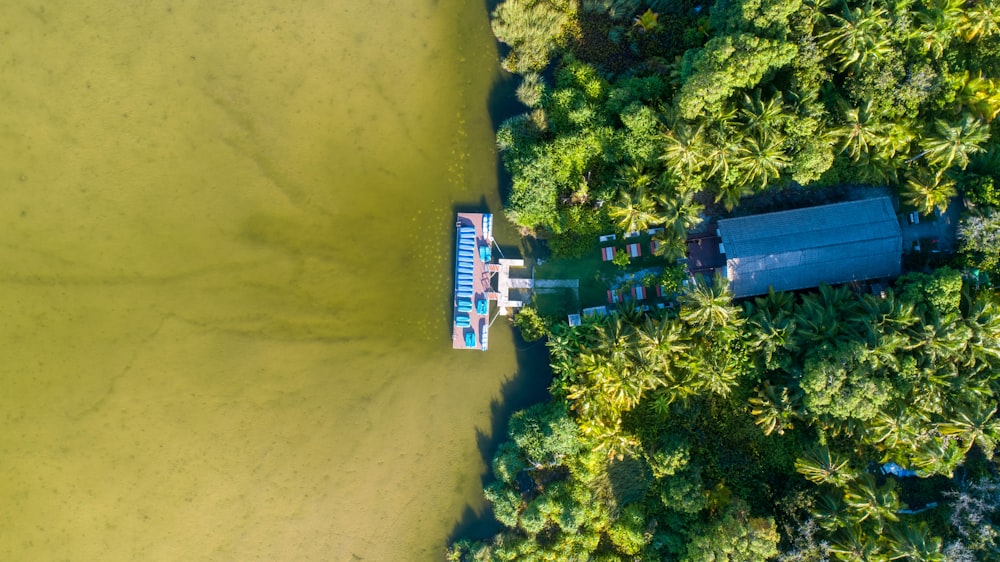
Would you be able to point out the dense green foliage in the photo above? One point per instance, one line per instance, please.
(830, 424)
(755, 94)
(720, 432)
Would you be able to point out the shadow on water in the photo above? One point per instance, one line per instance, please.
(482, 206)
(528, 386)
(503, 104)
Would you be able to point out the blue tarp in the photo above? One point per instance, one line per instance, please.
(484, 253)
(470, 339)
(481, 306)
(896, 470)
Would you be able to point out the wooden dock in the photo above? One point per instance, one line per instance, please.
(505, 283)
(471, 306)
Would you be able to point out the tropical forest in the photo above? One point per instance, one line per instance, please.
(838, 422)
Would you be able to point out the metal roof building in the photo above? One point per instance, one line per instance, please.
(803, 248)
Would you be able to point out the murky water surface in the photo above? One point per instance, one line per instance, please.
(224, 276)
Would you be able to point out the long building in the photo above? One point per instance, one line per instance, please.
(803, 248)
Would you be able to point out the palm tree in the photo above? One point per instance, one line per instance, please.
(821, 466)
(669, 245)
(943, 339)
(866, 501)
(613, 339)
(730, 192)
(830, 513)
(648, 21)
(857, 36)
(762, 160)
(634, 213)
(938, 21)
(723, 152)
(762, 117)
(831, 314)
(851, 543)
(861, 132)
(609, 437)
(622, 386)
(981, 19)
(770, 409)
(774, 325)
(981, 96)
(983, 320)
(937, 455)
(974, 426)
(635, 178)
(896, 429)
(913, 542)
(927, 191)
(661, 339)
(679, 212)
(815, 11)
(684, 149)
(952, 143)
(717, 370)
(708, 305)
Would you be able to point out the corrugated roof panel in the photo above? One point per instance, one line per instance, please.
(806, 247)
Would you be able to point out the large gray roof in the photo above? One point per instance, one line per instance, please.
(803, 248)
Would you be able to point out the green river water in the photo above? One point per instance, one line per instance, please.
(225, 272)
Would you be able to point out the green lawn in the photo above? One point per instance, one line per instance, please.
(596, 276)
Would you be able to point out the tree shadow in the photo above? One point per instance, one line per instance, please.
(481, 206)
(528, 386)
(501, 105)
(530, 383)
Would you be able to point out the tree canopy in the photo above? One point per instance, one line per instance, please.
(827, 424)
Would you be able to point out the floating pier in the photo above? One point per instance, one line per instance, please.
(473, 253)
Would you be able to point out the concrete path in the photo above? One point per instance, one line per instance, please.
(557, 283)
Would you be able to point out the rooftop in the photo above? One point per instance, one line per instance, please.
(789, 250)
